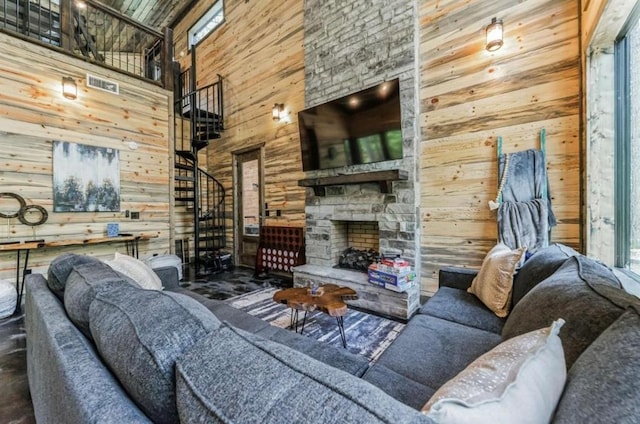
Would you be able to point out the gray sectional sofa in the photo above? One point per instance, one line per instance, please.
(174, 355)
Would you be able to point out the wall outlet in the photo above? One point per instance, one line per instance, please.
(135, 215)
(27, 272)
(126, 213)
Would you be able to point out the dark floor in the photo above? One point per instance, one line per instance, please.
(15, 402)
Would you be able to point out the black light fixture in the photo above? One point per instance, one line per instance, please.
(69, 88)
(495, 33)
(278, 111)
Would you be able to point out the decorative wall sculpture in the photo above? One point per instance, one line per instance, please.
(85, 178)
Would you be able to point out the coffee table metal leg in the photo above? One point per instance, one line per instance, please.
(341, 328)
(304, 320)
(294, 321)
(291, 322)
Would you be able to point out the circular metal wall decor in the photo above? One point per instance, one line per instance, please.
(20, 200)
(24, 208)
(43, 215)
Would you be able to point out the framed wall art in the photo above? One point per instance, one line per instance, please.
(85, 178)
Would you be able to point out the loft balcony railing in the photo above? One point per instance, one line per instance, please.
(94, 32)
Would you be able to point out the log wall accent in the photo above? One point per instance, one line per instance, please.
(470, 96)
(33, 113)
(258, 50)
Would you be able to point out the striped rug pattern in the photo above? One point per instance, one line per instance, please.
(367, 335)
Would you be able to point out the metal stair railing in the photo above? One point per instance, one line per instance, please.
(212, 217)
(207, 197)
(202, 111)
(95, 32)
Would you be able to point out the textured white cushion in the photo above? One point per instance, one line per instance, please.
(518, 381)
(8, 298)
(137, 270)
(494, 283)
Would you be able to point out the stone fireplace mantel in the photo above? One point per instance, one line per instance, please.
(383, 178)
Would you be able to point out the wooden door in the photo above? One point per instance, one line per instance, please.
(248, 200)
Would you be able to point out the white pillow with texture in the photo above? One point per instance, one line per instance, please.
(8, 298)
(494, 283)
(518, 381)
(137, 270)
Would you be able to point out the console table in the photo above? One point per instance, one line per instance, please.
(131, 243)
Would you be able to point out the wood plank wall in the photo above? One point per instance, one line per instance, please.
(33, 113)
(258, 50)
(470, 96)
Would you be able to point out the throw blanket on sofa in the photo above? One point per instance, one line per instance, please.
(525, 216)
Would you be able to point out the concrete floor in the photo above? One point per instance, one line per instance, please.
(15, 403)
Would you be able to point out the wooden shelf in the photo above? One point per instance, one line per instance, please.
(383, 178)
(32, 245)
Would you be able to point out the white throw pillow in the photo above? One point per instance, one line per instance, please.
(494, 283)
(518, 381)
(8, 298)
(137, 270)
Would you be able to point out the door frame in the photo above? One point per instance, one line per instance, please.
(237, 223)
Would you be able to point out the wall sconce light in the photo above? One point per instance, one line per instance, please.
(69, 88)
(495, 34)
(278, 112)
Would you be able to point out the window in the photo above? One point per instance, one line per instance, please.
(627, 155)
(207, 23)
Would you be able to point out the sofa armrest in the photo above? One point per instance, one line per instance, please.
(169, 276)
(455, 277)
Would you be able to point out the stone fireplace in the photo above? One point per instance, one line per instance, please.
(383, 194)
(360, 216)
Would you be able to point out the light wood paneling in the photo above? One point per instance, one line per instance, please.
(470, 96)
(258, 50)
(33, 113)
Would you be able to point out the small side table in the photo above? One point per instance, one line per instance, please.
(331, 302)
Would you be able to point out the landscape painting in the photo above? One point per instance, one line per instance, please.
(85, 178)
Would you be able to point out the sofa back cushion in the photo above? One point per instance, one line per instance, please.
(538, 268)
(603, 386)
(140, 333)
(584, 293)
(83, 284)
(235, 377)
(61, 267)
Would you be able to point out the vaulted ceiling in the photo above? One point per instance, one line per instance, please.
(157, 14)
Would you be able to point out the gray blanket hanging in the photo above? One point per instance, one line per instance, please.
(525, 216)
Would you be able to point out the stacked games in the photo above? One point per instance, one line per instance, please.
(393, 274)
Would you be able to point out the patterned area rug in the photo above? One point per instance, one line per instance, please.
(367, 335)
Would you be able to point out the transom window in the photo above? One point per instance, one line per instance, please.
(207, 23)
(627, 156)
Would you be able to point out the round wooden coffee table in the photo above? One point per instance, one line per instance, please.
(331, 302)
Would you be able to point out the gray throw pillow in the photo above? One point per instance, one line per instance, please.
(140, 333)
(61, 267)
(603, 386)
(236, 377)
(538, 268)
(82, 286)
(584, 293)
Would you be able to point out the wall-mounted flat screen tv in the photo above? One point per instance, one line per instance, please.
(360, 128)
